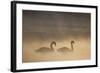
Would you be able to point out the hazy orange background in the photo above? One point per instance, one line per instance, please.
(40, 28)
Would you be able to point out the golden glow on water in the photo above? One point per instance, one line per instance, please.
(81, 50)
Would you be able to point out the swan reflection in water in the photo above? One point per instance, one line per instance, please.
(47, 49)
(65, 49)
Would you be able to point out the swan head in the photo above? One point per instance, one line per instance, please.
(72, 42)
(54, 43)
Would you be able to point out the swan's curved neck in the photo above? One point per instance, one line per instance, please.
(72, 47)
(51, 45)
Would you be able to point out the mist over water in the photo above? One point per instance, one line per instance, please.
(40, 28)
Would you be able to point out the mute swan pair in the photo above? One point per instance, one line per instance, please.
(62, 49)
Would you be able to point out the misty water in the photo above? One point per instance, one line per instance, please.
(40, 28)
(81, 50)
